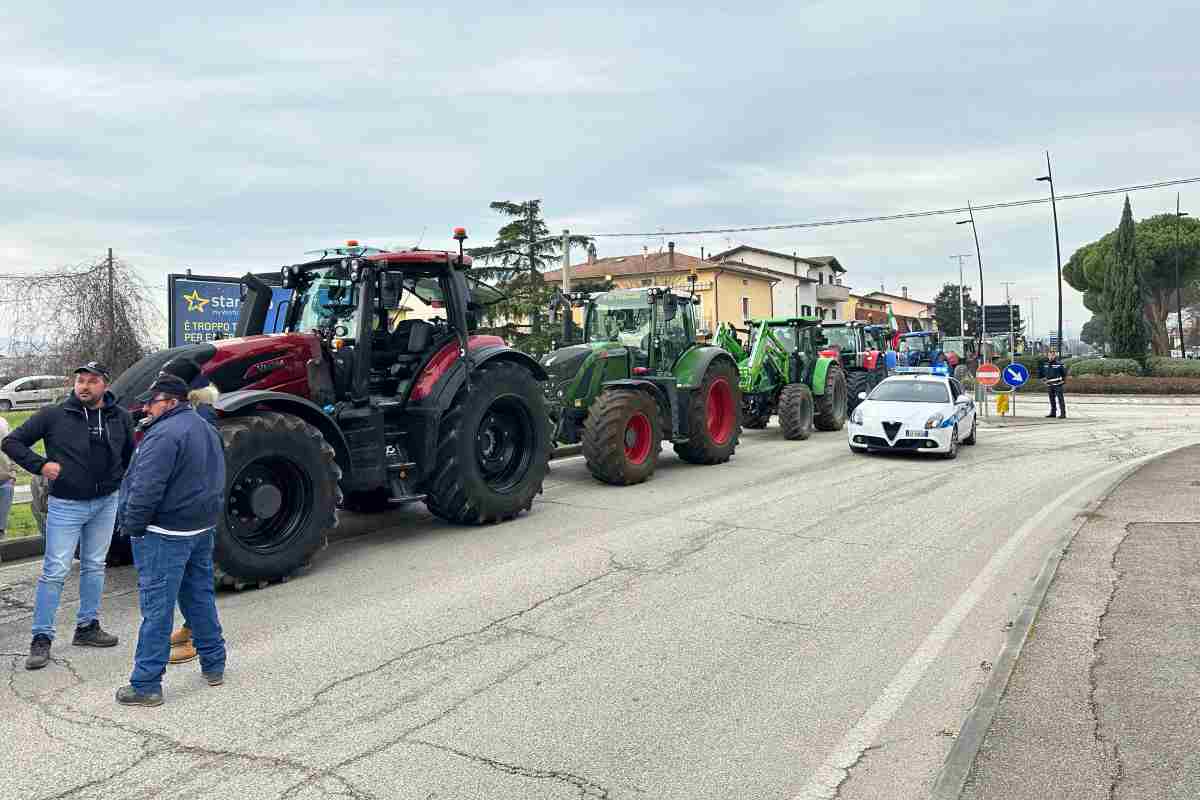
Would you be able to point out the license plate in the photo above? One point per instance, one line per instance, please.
(911, 434)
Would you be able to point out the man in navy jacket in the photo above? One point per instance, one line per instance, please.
(170, 500)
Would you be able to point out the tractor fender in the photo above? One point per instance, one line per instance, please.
(241, 400)
(448, 386)
(690, 369)
(820, 371)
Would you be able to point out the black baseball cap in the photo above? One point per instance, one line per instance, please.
(165, 384)
(95, 368)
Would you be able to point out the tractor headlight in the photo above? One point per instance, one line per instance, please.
(934, 421)
(856, 416)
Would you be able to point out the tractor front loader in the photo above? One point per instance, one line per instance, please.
(784, 372)
(638, 379)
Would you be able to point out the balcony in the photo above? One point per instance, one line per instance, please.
(832, 293)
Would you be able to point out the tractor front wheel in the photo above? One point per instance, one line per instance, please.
(831, 406)
(493, 447)
(714, 417)
(621, 436)
(857, 382)
(796, 411)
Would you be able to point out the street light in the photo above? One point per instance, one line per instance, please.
(982, 303)
(1049, 178)
(962, 325)
(1179, 215)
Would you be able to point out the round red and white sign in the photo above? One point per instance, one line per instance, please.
(988, 374)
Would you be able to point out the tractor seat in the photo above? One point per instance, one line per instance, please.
(400, 351)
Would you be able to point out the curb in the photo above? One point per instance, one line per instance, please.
(350, 525)
(952, 778)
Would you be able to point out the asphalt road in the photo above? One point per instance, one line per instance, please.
(799, 623)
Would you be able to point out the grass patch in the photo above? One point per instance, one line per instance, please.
(14, 419)
(21, 522)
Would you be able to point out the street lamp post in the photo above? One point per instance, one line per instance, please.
(1049, 178)
(962, 325)
(982, 302)
(1179, 215)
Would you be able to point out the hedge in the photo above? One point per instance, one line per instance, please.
(1103, 366)
(1162, 367)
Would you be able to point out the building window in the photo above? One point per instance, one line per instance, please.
(808, 311)
(745, 282)
(647, 281)
(833, 313)
(821, 277)
(745, 308)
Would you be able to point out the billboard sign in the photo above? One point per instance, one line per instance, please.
(205, 307)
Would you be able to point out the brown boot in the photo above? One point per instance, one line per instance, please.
(182, 649)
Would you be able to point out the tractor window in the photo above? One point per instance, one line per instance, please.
(842, 337)
(618, 318)
(329, 300)
(673, 335)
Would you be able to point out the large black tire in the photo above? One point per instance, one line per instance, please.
(713, 441)
(857, 381)
(284, 466)
(831, 406)
(5, 405)
(796, 411)
(622, 436)
(493, 447)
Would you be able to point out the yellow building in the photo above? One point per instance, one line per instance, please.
(728, 291)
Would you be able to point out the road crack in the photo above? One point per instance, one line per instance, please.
(587, 788)
(1109, 749)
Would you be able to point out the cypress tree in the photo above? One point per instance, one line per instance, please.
(1123, 287)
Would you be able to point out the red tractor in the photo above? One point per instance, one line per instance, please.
(351, 405)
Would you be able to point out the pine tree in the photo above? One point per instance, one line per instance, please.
(1123, 288)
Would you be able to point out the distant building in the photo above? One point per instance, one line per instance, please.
(866, 309)
(805, 286)
(911, 314)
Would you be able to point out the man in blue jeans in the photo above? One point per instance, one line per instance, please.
(169, 504)
(88, 441)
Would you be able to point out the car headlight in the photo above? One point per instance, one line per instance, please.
(856, 416)
(934, 421)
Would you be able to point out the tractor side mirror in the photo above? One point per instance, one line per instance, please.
(862, 395)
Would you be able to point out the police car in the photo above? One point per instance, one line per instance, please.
(920, 409)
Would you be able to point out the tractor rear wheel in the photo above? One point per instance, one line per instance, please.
(493, 447)
(281, 496)
(622, 436)
(857, 381)
(796, 411)
(714, 417)
(831, 406)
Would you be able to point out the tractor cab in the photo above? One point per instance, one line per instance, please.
(657, 325)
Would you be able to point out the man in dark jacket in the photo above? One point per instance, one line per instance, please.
(88, 441)
(170, 501)
(1054, 373)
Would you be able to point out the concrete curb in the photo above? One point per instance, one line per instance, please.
(350, 525)
(957, 766)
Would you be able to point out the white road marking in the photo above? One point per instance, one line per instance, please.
(824, 782)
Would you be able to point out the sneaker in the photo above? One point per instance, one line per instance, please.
(129, 696)
(39, 652)
(214, 678)
(92, 635)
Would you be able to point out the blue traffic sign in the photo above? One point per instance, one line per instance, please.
(1016, 374)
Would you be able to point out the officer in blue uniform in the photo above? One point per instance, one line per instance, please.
(1054, 373)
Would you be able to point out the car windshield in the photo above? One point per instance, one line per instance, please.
(907, 391)
(331, 299)
(619, 317)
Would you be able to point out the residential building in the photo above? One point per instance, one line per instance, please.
(728, 292)
(806, 285)
(865, 309)
(911, 314)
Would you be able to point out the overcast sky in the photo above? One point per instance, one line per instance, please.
(230, 137)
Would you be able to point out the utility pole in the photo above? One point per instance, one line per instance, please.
(962, 325)
(112, 313)
(1179, 215)
(566, 285)
(982, 302)
(1049, 178)
(1008, 302)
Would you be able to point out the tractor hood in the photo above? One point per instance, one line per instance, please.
(565, 362)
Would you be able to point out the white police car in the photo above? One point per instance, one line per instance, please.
(916, 409)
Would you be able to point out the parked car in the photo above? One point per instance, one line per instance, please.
(33, 391)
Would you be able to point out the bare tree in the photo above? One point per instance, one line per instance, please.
(57, 319)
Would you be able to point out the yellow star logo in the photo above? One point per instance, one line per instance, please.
(195, 301)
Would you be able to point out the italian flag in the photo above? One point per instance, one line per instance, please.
(892, 319)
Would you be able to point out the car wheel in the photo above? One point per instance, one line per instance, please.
(953, 451)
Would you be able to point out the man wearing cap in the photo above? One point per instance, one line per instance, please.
(88, 442)
(169, 504)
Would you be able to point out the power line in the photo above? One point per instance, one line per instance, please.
(893, 217)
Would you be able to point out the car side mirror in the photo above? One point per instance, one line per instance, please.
(862, 395)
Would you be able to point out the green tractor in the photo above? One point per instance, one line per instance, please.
(639, 378)
(786, 371)
(861, 348)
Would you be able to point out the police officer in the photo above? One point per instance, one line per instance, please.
(1054, 373)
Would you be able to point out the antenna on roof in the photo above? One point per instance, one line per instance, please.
(421, 238)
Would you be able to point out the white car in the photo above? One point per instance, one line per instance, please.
(33, 391)
(915, 410)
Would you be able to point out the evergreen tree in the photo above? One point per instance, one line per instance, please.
(1123, 288)
(945, 310)
(524, 249)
